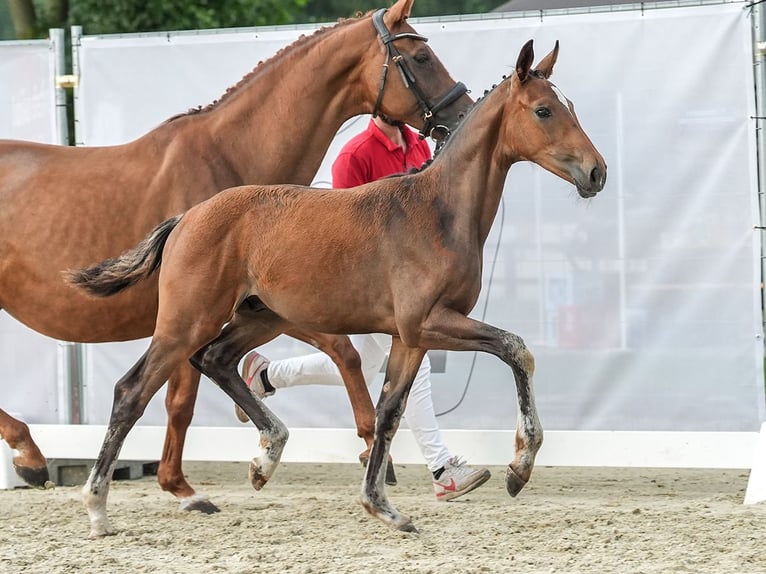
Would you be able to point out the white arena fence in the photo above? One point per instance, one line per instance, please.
(642, 306)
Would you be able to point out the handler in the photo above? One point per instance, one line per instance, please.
(384, 148)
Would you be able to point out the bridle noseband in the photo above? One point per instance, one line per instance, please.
(430, 128)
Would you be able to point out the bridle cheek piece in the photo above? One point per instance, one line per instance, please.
(438, 132)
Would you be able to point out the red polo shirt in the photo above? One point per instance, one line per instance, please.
(371, 155)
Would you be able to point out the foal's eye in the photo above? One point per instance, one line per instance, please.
(543, 112)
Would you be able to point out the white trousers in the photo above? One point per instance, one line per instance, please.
(318, 369)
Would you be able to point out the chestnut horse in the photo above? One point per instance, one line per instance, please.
(68, 207)
(401, 255)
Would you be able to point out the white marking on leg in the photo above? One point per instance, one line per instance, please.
(94, 495)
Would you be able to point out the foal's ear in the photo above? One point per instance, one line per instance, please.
(545, 67)
(398, 12)
(524, 62)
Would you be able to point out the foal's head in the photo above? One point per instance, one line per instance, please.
(406, 80)
(546, 127)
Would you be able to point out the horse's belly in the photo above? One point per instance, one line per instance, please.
(63, 312)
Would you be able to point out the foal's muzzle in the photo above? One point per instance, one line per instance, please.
(590, 183)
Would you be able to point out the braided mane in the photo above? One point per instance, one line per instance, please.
(303, 39)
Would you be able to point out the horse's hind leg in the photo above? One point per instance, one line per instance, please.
(218, 360)
(346, 358)
(29, 463)
(403, 365)
(179, 404)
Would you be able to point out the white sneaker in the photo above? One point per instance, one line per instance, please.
(458, 479)
(254, 364)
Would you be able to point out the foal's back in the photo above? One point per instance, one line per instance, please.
(295, 238)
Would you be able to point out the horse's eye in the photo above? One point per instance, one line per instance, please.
(422, 57)
(543, 112)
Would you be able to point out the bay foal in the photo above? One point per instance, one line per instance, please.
(401, 255)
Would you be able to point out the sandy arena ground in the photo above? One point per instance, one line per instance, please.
(308, 520)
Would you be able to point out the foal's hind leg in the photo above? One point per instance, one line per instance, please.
(403, 364)
(179, 404)
(218, 360)
(131, 395)
(30, 464)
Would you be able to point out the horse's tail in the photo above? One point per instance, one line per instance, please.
(113, 275)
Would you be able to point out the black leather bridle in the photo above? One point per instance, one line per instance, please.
(437, 131)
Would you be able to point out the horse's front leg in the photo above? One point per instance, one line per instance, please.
(179, 404)
(403, 364)
(346, 358)
(29, 463)
(450, 330)
(218, 360)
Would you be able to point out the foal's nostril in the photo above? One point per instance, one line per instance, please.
(595, 175)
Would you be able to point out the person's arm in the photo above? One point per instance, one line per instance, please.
(348, 171)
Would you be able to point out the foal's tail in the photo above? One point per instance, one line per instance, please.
(113, 275)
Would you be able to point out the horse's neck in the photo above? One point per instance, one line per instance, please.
(473, 167)
(277, 126)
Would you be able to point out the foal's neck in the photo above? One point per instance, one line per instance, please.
(473, 166)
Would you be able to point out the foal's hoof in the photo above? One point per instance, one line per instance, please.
(364, 458)
(513, 482)
(257, 477)
(408, 527)
(198, 503)
(96, 533)
(37, 477)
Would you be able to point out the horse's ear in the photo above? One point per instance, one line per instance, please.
(524, 62)
(545, 67)
(398, 12)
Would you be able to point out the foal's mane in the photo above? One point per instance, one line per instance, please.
(479, 102)
(452, 135)
(282, 52)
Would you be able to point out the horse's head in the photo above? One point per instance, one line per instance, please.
(546, 126)
(405, 79)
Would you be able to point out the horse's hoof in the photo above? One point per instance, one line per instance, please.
(199, 503)
(390, 472)
(513, 482)
(95, 534)
(37, 477)
(257, 478)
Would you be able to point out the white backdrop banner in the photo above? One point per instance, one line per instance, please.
(29, 374)
(27, 92)
(642, 306)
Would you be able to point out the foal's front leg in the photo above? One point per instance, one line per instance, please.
(403, 365)
(450, 330)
